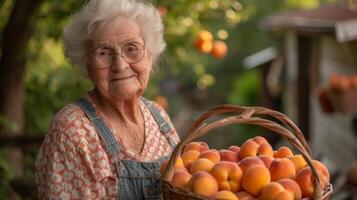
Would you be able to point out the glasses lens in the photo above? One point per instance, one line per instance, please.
(133, 52)
(103, 57)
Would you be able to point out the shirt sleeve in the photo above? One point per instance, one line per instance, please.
(70, 163)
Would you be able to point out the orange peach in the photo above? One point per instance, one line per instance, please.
(248, 162)
(205, 35)
(234, 148)
(304, 178)
(228, 176)
(202, 164)
(225, 195)
(282, 168)
(198, 146)
(212, 155)
(260, 140)
(325, 179)
(227, 155)
(291, 186)
(283, 152)
(203, 183)
(265, 149)
(180, 179)
(248, 148)
(219, 49)
(255, 179)
(266, 160)
(189, 156)
(203, 46)
(178, 164)
(243, 195)
(204, 41)
(275, 191)
(299, 161)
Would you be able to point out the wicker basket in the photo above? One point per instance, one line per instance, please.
(246, 115)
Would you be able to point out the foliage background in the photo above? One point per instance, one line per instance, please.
(190, 80)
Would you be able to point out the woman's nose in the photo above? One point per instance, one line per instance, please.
(120, 64)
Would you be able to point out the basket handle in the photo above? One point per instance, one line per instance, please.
(200, 128)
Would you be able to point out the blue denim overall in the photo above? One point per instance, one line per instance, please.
(137, 180)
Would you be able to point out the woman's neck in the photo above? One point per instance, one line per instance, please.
(127, 110)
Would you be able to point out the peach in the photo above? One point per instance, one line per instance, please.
(265, 149)
(243, 195)
(212, 155)
(283, 152)
(299, 161)
(248, 162)
(255, 179)
(202, 164)
(203, 183)
(180, 179)
(203, 46)
(198, 146)
(189, 156)
(227, 155)
(178, 164)
(219, 49)
(234, 148)
(205, 35)
(204, 41)
(325, 179)
(282, 168)
(228, 176)
(291, 186)
(248, 148)
(275, 191)
(266, 160)
(260, 140)
(304, 178)
(225, 194)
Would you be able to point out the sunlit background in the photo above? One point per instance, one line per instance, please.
(208, 62)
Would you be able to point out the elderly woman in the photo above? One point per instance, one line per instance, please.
(110, 143)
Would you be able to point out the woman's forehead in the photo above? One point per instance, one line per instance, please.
(119, 32)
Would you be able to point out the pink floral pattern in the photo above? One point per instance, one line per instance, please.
(73, 164)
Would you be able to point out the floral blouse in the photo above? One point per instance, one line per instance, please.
(72, 162)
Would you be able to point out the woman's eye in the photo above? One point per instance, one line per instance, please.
(131, 49)
(103, 52)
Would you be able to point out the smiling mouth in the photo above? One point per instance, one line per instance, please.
(123, 78)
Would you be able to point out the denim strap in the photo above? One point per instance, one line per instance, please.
(164, 126)
(102, 129)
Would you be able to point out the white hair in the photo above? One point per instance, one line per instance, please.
(87, 23)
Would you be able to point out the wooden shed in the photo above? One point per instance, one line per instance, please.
(314, 46)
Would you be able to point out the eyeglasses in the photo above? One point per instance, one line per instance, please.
(104, 57)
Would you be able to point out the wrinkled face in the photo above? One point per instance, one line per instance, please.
(118, 64)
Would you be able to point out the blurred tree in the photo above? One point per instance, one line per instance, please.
(15, 38)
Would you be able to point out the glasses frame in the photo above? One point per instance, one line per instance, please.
(121, 54)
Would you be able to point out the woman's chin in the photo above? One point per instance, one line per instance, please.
(126, 93)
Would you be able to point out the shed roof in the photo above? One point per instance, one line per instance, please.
(339, 18)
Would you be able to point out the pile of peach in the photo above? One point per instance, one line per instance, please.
(252, 171)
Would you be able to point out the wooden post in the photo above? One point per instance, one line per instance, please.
(307, 61)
